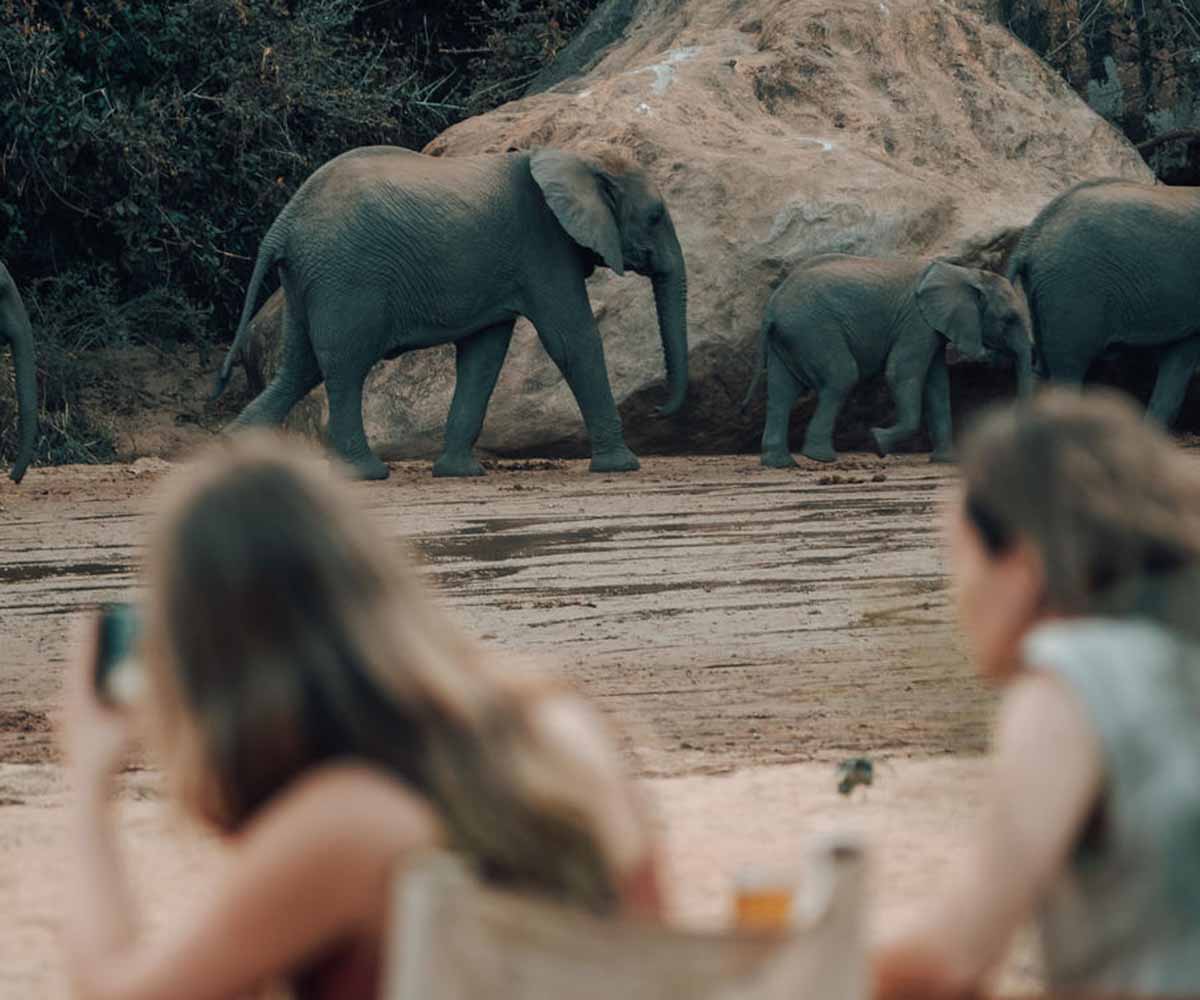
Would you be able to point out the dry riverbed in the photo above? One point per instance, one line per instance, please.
(728, 617)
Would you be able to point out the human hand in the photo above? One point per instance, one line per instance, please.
(93, 736)
(912, 973)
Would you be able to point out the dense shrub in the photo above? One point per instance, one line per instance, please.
(146, 145)
(81, 322)
(1137, 64)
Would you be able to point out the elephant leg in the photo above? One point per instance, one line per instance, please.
(1071, 336)
(906, 373)
(297, 376)
(479, 360)
(839, 380)
(782, 392)
(818, 436)
(937, 410)
(569, 334)
(1065, 370)
(1175, 371)
(345, 389)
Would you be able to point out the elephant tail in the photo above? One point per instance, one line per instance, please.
(1020, 277)
(763, 336)
(270, 253)
(1017, 271)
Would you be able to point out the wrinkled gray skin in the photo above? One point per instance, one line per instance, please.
(1113, 263)
(18, 334)
(838, 319)
(384, 251)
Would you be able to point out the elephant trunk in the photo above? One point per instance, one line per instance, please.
(26, 376)
(670, 300)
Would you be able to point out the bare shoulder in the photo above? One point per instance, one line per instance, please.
(569, 722)
(1042, 719)
(1038, 701)
(353, 806)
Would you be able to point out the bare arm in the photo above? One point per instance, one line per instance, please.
(102, 912)
(309, 871)
(1046, 779)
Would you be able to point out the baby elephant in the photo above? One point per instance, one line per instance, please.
(838, 319)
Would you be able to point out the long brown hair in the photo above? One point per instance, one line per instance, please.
(1104, 496)
(284, 632)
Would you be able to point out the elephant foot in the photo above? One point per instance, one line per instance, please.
(883, 441)
(458, 465)
(368, 467)
(820, 453)
(944, 456)
(618, 460)
(778, 460)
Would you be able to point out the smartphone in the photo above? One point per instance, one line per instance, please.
(118, 675)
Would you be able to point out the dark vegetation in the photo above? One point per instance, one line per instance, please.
(1136, 62)
(146, 145)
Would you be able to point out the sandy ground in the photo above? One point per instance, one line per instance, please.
(745, 628)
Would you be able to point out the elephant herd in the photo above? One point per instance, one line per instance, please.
(383, 251)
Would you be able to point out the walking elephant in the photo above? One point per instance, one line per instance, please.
(18, 334)
(1113, 263)
(838, 319)
(384, 251)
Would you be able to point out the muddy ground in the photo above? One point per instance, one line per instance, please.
(728, 617)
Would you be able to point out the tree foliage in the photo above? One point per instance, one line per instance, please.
(146, 145)
(1136, 62)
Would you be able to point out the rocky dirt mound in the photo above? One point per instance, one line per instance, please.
(776, 131)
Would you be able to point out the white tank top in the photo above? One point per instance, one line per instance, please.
(1124, 915)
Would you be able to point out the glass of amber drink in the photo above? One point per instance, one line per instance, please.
(763, 900)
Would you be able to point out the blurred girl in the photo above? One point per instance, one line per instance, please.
(1075, 547)
(308, 700)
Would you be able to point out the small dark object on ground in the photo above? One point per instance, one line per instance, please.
(855, 771)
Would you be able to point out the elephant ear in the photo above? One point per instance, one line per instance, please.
(952, 305)
(576, 194)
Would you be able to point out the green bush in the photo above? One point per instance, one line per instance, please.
(78, 317)
(146, 145)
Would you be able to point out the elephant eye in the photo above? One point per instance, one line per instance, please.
(656, 214)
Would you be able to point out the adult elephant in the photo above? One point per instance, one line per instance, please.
(384, 251)
(838, 319)
(18, 334)
(1113, 263)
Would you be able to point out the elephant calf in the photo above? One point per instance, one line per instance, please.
(16, 331)
(384, 250)
(838, 319)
